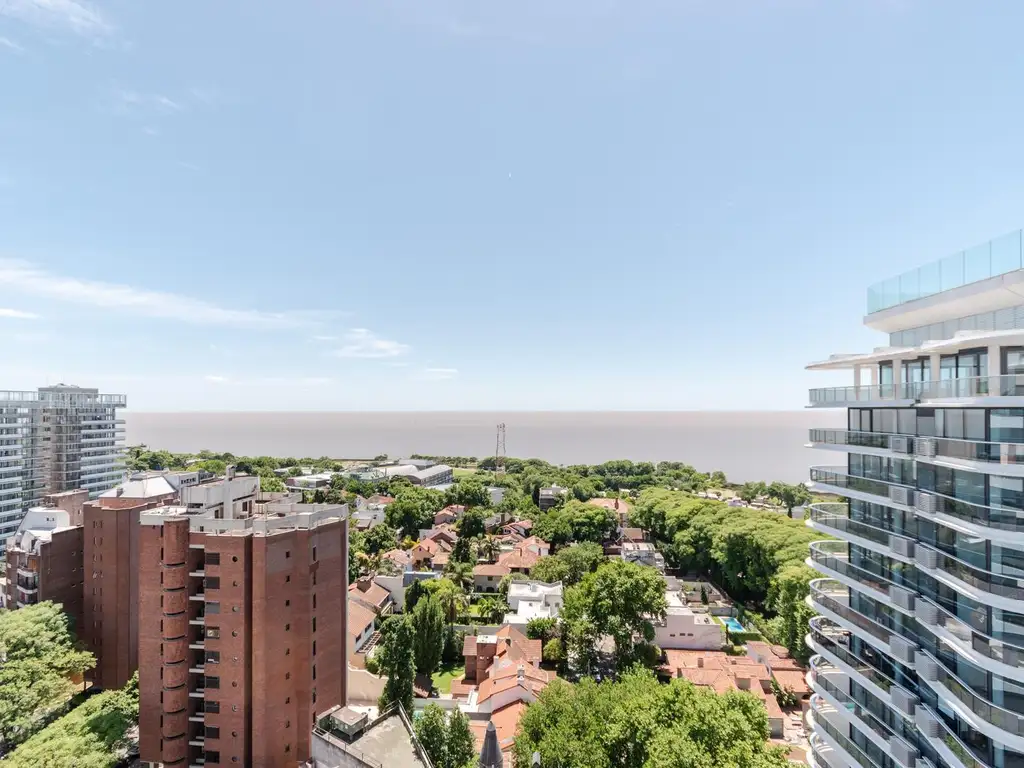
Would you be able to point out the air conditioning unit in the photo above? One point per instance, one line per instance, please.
(927, 613)
(901, 598)
(901, 545)
(928, 669)
(903, 700)
(899, 444)
(926, 502)
(901, 649)
(902, 753)
(926, 558)
(927, 723)
(925, 446)
(898, 494)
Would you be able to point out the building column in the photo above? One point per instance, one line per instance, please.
(856, 376)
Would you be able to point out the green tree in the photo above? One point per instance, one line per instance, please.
(471, 524)
(452, 598)
(639, 723)
(397, 662)
(380, 538)
(462, 552)
(461, 746)
(413, 509)
(620, 599)
(428, 622)
(460, 573)
(751, 491)
(432, 731)
(96, 734)
(789, 496)
(413, 593)
(468, 493)
(453, 641)
(580, 559)
(492, 609)
(541, 629)
(553, 651)
(549, 570)
(271, 483)
(718, 479)
(39, 661)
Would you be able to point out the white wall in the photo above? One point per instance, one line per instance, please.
(687, 634)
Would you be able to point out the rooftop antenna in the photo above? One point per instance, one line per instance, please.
(499, 452)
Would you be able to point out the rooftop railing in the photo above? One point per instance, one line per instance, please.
(991, 259)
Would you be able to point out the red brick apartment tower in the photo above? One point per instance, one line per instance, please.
(241, 630)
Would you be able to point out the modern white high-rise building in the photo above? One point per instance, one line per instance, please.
(919, 638)
(56, 439)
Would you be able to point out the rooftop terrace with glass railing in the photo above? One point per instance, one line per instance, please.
(996, 257)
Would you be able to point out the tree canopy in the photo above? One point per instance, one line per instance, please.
(757, 555)
(396, 660)
(638, 723)
(39, 661)
(413, 509)
(93, 735)
(428, 621)
(447, 739)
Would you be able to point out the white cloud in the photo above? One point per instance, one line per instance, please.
(325, 338)
(17, 314)
(27, 279)
(216, 379)
(437, 374)
(151, 101)
(75, 15)
(6, 42)
(360, 342)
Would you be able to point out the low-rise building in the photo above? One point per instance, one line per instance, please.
(439, 474)
(449, 514)
(683, 628)
(44, 562)
(786, 671)
(533, 600)
(372, 595)
(344, 737)
(361, 624)
(520, 528)
(487, 576)
(643, 553)
(551, 496)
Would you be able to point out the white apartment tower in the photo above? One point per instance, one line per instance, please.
(919, 633)
(56, 439)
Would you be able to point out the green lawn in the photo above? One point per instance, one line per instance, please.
(460, 471)
(443, 679)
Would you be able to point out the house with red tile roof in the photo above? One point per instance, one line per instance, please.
(520, 528)
(506, 723)
(423, 553)
(372, 595)
(487, 576)
(400, 557)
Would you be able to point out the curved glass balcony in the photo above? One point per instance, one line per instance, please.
(834, 517)
(994, 584)
(831, 595)
(1003, 518)
(969, 636)
(858, 755)
(821, 753)
(943, 389)
(848, 437)
(954, 744)
(821, 671)
(839, 477)
(1003, 719)
(833, 639)
(834, 556)
(833, 397)
(976, 450)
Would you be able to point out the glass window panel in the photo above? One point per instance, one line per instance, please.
(888, 419)
(978, 263)
(1004, 319)
(853, 417)
(1007, 560)
(951, 271)
(1007, 425)
(1013, 361)
(910, 286)
(974, 424)
(907, 421)
(865, 420)
(954, 423)
(940, 422)
(1006, 253)
(969, 486)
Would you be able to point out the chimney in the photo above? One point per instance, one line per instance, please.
(700, 662)
(521, 674)
(490, 755)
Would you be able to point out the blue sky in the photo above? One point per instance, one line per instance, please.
(545, 204)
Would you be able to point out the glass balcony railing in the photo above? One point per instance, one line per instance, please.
(944, 389)
(971, 637)
(833, 555)
(835, 516)
(866, 393)
(955, 745)
(1004, 719)
(993, 583)
(822, 724)
(835, 597)
(834, 640)
(847, 437)
(991, 259)
(838, 477)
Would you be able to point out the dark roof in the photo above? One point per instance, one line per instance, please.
(490, 755)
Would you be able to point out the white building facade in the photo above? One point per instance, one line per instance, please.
(919, 638)
(56, 439)
(685, 629)
(533, 600)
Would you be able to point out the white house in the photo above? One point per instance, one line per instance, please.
(533, 600)
(684, 629)
(644, 553)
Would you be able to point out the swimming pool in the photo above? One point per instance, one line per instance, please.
(732, 625)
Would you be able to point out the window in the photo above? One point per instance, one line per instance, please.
(211, 582)
(314, 578)
(287, 627)
(314, 647)
(314, 671)
(314, 601)
(212, 732)
(212, 682)
(287, 554)
(213, 707)
(213, 607)
(314, 623)
(212, 757)
(287, 603)
(213, 633)
(1007, 425)
(287, 579)
(287, 675)
(213, 558)
(314, 548)
(213, 657)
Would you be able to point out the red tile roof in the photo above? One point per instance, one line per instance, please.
(359, 618)
(491, 569)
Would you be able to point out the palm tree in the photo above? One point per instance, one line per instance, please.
(488, 548)
(452, 599)
(461, 574)
(492, 609)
